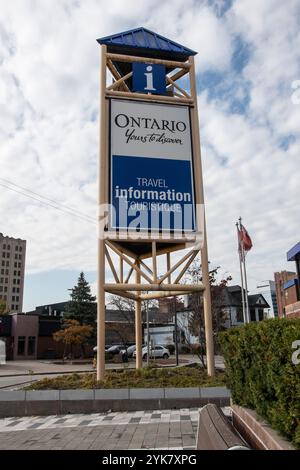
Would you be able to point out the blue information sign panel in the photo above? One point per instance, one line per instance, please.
(149, 78)
(151, 167)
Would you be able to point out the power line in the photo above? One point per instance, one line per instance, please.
(46, 198)
(85, 218)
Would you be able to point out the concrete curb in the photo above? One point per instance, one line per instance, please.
(47, 402)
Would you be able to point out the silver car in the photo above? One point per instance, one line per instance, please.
(156, 351)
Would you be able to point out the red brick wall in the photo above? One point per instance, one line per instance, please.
(283, 297)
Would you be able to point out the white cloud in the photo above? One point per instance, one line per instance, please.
(49, 131)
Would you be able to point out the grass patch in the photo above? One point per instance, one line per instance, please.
(148, 377)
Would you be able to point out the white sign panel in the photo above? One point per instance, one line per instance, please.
(151, 166)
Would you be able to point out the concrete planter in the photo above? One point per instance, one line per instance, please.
(256, 431)
(48, 402)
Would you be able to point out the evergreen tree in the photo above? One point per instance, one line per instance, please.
(82, 306)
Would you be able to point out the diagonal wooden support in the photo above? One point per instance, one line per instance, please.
(170, 271)
(111, 264)
(116, 74)
(188, 263)
(183, 93)
(125, 294)
(128, 261)
(121, 80)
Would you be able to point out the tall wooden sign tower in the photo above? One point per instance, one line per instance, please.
(151, 202)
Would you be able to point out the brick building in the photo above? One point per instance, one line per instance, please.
(286, 290)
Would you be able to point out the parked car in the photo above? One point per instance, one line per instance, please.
(115, 349)
(106, 348)
(130, 351)
(156, 351)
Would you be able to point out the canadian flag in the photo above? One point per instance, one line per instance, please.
(245, 241)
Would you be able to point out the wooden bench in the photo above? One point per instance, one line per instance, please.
(215, 431)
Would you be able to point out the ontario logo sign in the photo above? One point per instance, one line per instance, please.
(151, 179)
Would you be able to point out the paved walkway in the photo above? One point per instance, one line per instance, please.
(159, 429)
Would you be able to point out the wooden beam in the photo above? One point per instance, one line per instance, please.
(128, 275)
(115, 73)
(160, 295)
(184, 93)
(155, 287)
(176, 265)
(145, 97)
(111, 264)
(119, 82)
(188, 263)
(178, 74)
(121, 270)
(128, 261)
(169, 268)
(154, 262)
(148, 60)
(126, 295)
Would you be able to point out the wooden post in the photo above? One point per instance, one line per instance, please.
(200, 200)
(138, 325)
(101, 242)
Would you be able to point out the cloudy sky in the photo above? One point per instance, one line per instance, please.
(247, 65)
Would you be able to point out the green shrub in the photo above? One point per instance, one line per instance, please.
(260, 372)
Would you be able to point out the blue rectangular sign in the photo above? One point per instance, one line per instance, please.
(151, 167)
(149, 78)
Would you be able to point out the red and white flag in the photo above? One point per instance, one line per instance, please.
(245, 242)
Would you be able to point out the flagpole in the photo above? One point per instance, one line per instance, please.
(241, 272)
(245, 276)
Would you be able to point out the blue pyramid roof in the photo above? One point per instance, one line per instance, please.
(142, 41)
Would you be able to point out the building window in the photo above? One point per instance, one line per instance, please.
(8, 247)
(18, 290)
(17, 298)
(17, 307)
(7, 272)
(12, 307)
(7, 255)
(21, 345)
(7, 263)
(19, 273)
(31, 346)
(16, 265)
(2, 271)
(13, 298)
(4, 246)
(15, 273)
(1, 288)
(5, 289)
(20, 256)
(16, 256)
(14, 289)
(3, 263)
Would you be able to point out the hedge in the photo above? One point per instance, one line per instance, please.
(261, 374)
